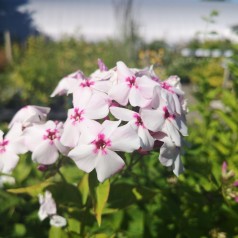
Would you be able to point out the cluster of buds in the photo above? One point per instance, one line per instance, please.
(113, 110)
(229, 184)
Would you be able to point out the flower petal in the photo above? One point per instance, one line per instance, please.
(122, 113)
(153, 119)
(109, 127)
(45, 153)
(108, 164)
(125, 139)
(97, 107)
(120, 93)
(9, 161)
(146, 140)
(84, 157)
(172, 132)
(58, 221)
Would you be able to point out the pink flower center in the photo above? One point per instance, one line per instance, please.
(101, 143)
(87, 83)
(77, 115)
(138, 120)
(167, 87)
(167, 114)
(51, 135)
(131, 81)
(3, 144)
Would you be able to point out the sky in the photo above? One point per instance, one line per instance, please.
(170, 20)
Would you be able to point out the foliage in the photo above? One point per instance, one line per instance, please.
(144, 200)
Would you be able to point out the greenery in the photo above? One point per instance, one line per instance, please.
(144, 200)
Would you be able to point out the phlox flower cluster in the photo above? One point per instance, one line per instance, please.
(113, 110)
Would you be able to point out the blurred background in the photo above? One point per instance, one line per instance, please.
(41, 41)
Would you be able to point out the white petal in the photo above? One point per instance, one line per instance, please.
(120, 93)
(109, 127)
(179, 123)
(123, 71)
(33, 136)
(81, 97)
(71, 134)
(146, 86)
(135, 98)
(178, 166)
(146, 140)
(108, 164)
(58, 221)
(90, 129)
(168, 152)
(172, 132)
(45, 153)
(103, 86)
(9, 161)
(125, 139)
(97, 107)
(122, 113)
(153, 119)
(84, 157)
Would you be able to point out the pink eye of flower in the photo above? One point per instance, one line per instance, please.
(138, 121)
(101, 143)
(51, 135)
(3, 144)
(131, 81)
(77, 116)
(167, 114)
(87, 83)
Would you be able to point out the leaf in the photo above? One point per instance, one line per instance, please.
(8, 201)
(99, 193)
(57, 232)
(33, 190)
(132, 193)
(84, 188)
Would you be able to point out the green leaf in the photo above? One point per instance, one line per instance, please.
(132, 194)
(33, 190)
(99, 193)
(57, 232)
(84, 188)
(8, 201)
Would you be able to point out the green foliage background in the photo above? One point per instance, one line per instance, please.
(145, 200)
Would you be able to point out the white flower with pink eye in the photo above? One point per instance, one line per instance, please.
(170, 154)
(10, 146)
(44, 141)
(171, 91)
(67, 84)
(97, 146)
(165, 120)
(134, 118)
(137, 90)
(30, 114)
(88, 107)
(48, 209)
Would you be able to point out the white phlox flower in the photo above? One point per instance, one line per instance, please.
(88, 107)
(30, 114)
(96, 149)
(44, 142)
(10, 147)
(48, 209)
(138, 91)
(134, 118)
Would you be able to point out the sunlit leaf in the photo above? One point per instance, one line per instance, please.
(99, 193)
(33, 190)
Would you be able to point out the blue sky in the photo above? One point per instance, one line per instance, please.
(171, 20)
